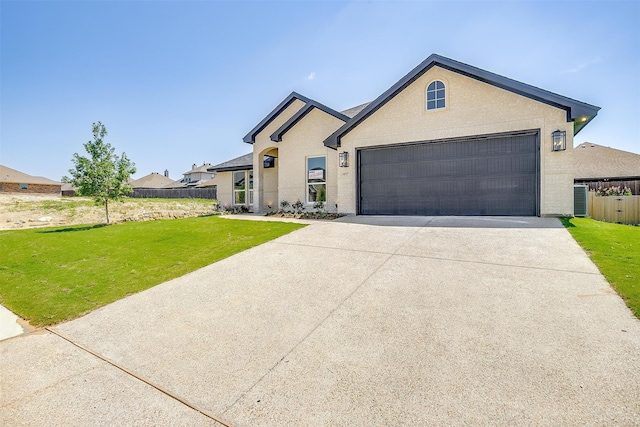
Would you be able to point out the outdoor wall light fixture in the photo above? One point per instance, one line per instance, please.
(559, 140)
(344, 159)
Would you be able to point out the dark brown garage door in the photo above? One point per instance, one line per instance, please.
(485, 175)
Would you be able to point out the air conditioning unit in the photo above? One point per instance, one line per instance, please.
(581, 200)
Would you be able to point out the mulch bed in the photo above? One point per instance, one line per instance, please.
(305, 215)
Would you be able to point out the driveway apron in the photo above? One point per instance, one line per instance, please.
(363, 321)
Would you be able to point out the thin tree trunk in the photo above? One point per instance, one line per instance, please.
(106, 208)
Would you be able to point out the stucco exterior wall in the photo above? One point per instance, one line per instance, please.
(224, 188)
(300, 142)
(266, 186)
(201, 176)
(472, 108)
(14, 187)
(270, 183)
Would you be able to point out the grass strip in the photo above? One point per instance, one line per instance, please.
(615, 250)
(49, 275)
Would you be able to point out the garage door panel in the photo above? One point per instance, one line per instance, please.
(487, 176)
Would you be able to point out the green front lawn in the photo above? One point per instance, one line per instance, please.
(615, 249)
(48, 275)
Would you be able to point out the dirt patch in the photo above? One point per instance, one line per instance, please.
(26, 326)
(32, 210)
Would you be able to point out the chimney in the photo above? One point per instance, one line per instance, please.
(194, 166)
(166, 173)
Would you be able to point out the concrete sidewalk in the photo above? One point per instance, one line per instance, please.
(344, 323)
(9, 326)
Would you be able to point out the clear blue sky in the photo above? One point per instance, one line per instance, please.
(181, 82)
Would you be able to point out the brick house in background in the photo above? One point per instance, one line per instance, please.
(13, 181)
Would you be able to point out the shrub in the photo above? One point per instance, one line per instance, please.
(233, 209)
(322, 194)
(284, 205)
(298, 206)
(614, 191)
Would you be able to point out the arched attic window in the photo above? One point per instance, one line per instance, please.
(435, 95)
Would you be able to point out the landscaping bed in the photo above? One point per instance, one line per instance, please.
(299, 210)
(306, 215)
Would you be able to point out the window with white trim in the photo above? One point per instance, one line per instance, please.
(239, 187)
(243, 187)
(250, 173)
(316, 179)
(435, 95)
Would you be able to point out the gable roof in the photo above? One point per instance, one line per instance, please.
(592, 161)
(206, 183)
(311, 104)
(176, 184)
(251, 136)
(199, 169)
(579, 112)
(239, 163)
(351, 112)
(16, 177)
(152, 180)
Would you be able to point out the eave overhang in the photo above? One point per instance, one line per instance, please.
(250, 138)
(232, 168)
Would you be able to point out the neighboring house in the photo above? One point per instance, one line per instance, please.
(176, 184)
(13, 181)
(446, 139)
(197, 175)
(153, 180)
(602, 167)
(68, 190)
(209, 183)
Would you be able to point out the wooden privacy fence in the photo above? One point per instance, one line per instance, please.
(620, 209)
(175, 193)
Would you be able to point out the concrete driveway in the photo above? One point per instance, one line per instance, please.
(363, 321)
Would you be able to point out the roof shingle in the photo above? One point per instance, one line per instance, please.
(11, 175)
(153, 180)
(592, 161)
(353, 111)
(239, 163)
(197, 169)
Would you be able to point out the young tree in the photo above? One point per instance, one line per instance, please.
(103, 176)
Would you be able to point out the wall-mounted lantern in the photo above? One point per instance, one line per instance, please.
(344, 159)
(268, 162)
(559, 140)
